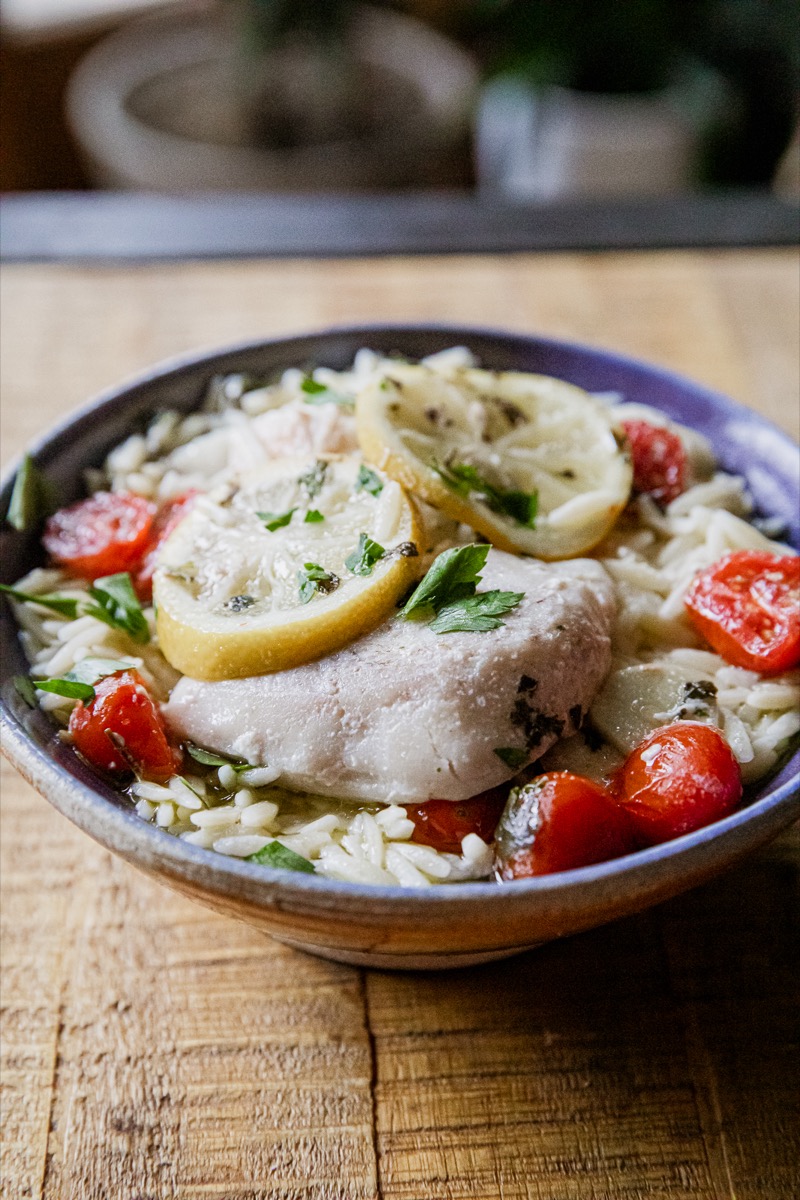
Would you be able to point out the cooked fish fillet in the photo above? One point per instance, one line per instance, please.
(405, 714)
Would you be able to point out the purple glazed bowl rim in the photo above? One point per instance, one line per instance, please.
(69, 785)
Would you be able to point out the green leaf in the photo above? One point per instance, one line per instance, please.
(90, 669)
(77, 683)
(368, 481)
(475, 614)
(512, 756)
(314, 578)
(364, 557)
(206, 757)
(452, 576)
(275, 521)
(464, 479)
(32, 497)
(274, 854)
(118, 605)
(70, 688)
(314, 478)
(320, 393)
(313, 516)
(64, 605)
(25, 688)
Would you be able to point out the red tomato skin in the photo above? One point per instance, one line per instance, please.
(659, 461)
(747, 607)
(122, 706)
(574, 823)
(443, 824)
(167, 518)
(680, 778)
(103, 535)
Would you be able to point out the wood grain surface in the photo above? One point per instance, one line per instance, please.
(153, 1050)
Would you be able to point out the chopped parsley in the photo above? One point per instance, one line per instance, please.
(314, 578)
(64, 605)
(512, 756)
(364, 557)
(210, 759)
(274, 854)
(465, 479)
(320, 393)
(273, 521)
(475, 614)
(118, 605)
(448, 597)
(314, 478)
(368, 481)
(313, 516)
(32, 497)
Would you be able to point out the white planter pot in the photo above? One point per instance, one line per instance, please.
(538, 144)
(152, 107)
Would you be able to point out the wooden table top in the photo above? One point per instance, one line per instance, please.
(152, 1049)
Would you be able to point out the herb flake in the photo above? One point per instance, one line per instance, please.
(273, 521)
(512, 756)
(364, 557)
(314, 578)
(274, 854)
(313, 479)
(452, 576)
(313, 517)
(320, 393)
(368, 481)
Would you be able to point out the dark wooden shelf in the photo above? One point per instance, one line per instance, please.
(79, 226)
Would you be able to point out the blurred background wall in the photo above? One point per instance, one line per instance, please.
(525, 99)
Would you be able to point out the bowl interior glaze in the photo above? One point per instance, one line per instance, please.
(388, 926)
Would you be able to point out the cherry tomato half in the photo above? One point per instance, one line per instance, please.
(103, 535)
(121, 729)
(167, 518)
(444, 823)
(659, 461)
(747, 606)
(678, 779)
(557, 822)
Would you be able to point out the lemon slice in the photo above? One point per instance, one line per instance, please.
(532, 463)
(285, 565)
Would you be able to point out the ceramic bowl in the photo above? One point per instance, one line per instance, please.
(445, 926)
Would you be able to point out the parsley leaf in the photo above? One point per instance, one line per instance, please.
(314, 578)
(274, 854)
(118, 606)
(368, 481)
(313, 516)
(452, 576)
(64, 605)
(463, 479)
(320, 393)
(209, 759)
(32, 497)
(314, 478)
(364, 557)
(475, 614)
(513, 756)
(274, 521)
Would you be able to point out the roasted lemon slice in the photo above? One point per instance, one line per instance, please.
(532, 463)
(288, 564)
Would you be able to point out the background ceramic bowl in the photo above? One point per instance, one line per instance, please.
(445, 926)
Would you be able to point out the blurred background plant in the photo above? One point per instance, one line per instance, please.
(528, 98)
